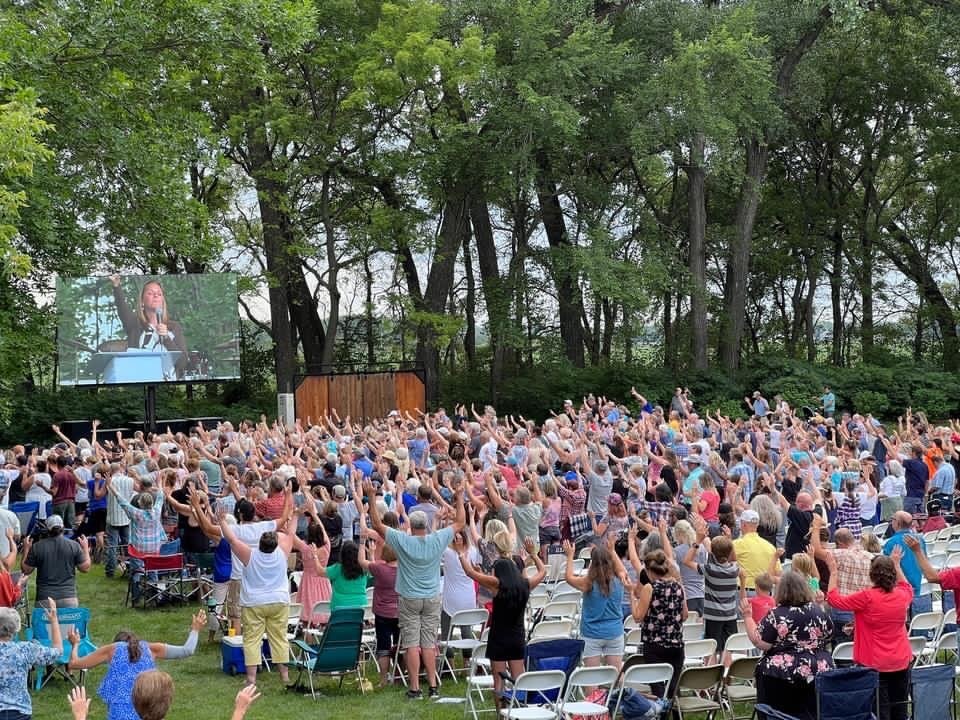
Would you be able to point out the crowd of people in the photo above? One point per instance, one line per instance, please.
(686, 511)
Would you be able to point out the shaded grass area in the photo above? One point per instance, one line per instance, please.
(203, 692)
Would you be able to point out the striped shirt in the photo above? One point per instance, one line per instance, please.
(848, 516)
(720, 586)
(115, 514)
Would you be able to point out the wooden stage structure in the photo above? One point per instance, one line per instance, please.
(364, 396)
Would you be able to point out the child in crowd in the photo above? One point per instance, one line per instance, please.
(723, 584)
(762, 602)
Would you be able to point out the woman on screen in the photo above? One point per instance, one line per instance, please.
(150, 327)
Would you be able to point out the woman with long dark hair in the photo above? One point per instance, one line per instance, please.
(506, 643)
(347, 579)
(128, 656)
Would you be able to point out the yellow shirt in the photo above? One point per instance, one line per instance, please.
(754, 555)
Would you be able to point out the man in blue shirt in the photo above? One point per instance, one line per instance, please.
(418, 585)
(759, 405)
(943, 482)
(902, 523)
(829, 402)
(917, 476)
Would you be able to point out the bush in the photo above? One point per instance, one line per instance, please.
(872, 402)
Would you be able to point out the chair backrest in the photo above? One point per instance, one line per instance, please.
(739, 643)
(552, 629)
(932, 691)
(918, 643)
(338, 649)
(561, 609)
(948, 643)
(926, 622)
(700, 678)
(693, 631)
(563, 587)
(294, 611)
(596, 676)
(743, 668)
(953, 559)
(163, 563)
(69, 618)
(629, 623)
(699, 649)
(634, 637)
(26, 513)
(847, 694)
(568, 596)
(467, 618)
(561, 654)
(637, 675)
(843, 652)
(539, 681)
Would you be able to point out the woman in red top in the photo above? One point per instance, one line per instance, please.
(880, 639)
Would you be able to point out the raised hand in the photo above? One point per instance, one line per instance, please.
(529, 545)
(79, 703)
(50, 612)
(74, 637)
(245, 698)
(568, 548)
(199, 621)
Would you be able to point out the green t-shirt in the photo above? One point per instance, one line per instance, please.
(346, 593)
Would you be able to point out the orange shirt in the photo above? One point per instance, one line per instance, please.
(932, 452)
(880, 639)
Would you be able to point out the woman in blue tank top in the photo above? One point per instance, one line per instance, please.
(601, 614)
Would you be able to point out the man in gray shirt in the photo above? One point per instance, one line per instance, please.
(56, 560)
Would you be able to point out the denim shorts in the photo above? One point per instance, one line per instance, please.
(595, 647)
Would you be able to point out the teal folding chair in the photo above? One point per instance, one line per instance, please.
(70, 619)
(337, 652)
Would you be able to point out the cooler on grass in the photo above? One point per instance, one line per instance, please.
(231, 654)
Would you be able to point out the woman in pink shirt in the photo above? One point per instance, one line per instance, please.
(880, 639)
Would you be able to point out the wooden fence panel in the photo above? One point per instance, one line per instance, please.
(410, 392)
(363, 397)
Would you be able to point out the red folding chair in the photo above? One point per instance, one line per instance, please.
(161, 580)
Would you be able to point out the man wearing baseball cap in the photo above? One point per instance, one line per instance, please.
(56, 560)
(754, 554)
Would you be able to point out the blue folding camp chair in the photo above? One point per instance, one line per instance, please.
(70, 619)
(843, 694)
(555, 654)
(26, 513)
(932, 691)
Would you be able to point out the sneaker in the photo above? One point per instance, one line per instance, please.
(434, 693)
(414, 695)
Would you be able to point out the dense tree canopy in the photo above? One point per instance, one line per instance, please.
(495, 184)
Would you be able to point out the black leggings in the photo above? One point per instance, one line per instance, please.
(797, 699)
(894, 692)
(673, 656)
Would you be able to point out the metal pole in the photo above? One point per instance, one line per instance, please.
(150, 409)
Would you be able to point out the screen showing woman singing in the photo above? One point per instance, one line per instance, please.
(147, 329)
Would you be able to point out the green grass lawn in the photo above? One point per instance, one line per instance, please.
(203, 692)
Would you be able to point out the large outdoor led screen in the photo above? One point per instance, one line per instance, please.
(127, 329)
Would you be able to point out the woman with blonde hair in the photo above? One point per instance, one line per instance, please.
(685, 537)
(771, 519)
(150, 327)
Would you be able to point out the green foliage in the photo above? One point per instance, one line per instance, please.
(871, 401)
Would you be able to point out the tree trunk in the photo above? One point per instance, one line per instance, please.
(836, 286)
(470, 333)
(808, 305)
(271, 195)
(453, 227)
(912, 263)
(368, 310)
(865, 276)
(303, 313)
(609, 325)
(697, 216)
(495, 293)
(738, 262)
(566, 277)
(669, 332)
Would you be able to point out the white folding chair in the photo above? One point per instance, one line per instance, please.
(918, 645)
(644, 678)
(566, 609)
(527, 686)
(927, 625)
(633, 644)
(478, 681)
(563, 587)
(880, 529)
(294, 611)
(600, 676)
(843, 652)
(739, 644)
(696, 652)
(693, 631)
(953, 561)
(551, 629)
(473, 618)
(570, 596)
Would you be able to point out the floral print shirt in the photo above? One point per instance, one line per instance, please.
(800, 638)
(663, 623)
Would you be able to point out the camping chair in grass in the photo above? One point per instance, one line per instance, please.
(556, 654)
(842, 694)
(70, 619)
(336, 653)
(932, 690)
